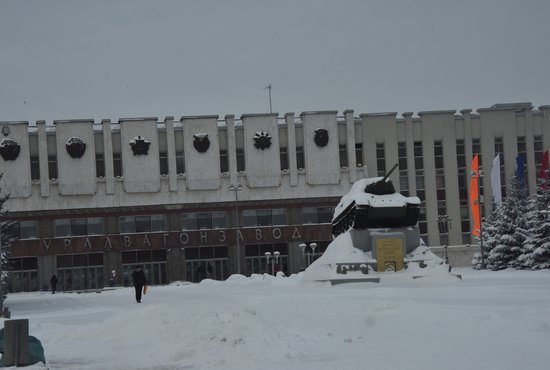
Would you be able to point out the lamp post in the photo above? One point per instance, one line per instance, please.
(236, 189)
(273, 258)
(443, 224)
(303, 247)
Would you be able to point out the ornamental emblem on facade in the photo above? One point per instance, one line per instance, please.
(75, 147)
(139, 145)
(321, 137)
(9, 149)
(6, 130)
(201, 142)
(262, 140)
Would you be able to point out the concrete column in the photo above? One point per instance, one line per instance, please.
(232, 149)
(291, 150)
(43, 159)
(108, 157)
(410, 152)
(171, 147)
(545, 119)
(350, 131)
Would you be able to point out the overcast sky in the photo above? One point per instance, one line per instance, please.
(68, 59)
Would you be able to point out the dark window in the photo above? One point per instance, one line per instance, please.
(180, 163)
(52, 167)
(240, 160)
(300, 159)
(99, 165)
(224, 161)
(284, 159)
(343, 155)
(117, 164)
(163, 161)
(35, 168)
(359, 155)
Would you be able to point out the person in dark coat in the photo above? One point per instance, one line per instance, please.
(138, 276)
(53, 282)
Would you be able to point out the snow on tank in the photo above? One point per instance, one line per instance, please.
(374, 203)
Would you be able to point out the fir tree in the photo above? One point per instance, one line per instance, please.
(513, 230)
(536, 254)
(492, 228)
(5, 241)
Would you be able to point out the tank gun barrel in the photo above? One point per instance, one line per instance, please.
(382, 186)
(389, 172)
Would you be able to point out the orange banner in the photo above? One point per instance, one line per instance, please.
(474, 196)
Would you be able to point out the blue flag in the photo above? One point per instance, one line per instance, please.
(520, 172)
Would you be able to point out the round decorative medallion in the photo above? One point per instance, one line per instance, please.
(201, 142)
(9, 149)
(140, 145)
(262, 140)
(321, 137)
(75, 147)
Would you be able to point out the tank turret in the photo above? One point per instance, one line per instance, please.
(374, 203)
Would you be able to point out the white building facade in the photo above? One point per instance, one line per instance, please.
(206, 197)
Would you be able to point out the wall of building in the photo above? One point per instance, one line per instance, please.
(197, 162)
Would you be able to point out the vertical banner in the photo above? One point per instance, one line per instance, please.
(474, 196)
(495, 180)
(544, 166)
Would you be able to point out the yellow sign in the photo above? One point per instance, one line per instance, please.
(389, 254)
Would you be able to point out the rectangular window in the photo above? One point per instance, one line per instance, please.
(204, 220)
(142, 224)
(264, 217)
(240, 160)
(52, 167)
(499, 150)
(538, 148)
(359, 154)
(284, 159)
(180, 163)
(343, 152)
(163, 162)
(381, 159)
(224, 161)
(28, 229)
(117, 164)
(300, 159)
(35, 168)
(403, 168)
(62, 228)
(99, 165)
(317, 215)
(476, 149)
(522, 151)
(78, 227)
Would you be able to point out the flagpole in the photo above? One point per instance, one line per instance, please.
(480, 220)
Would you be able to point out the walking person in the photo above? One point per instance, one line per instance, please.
(138, 276)
(53, 282)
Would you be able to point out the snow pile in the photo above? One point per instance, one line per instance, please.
(491, 320)
(421, 262)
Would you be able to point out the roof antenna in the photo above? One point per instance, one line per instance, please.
(269, 88)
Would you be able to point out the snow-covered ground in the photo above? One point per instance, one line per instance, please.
(487, 320)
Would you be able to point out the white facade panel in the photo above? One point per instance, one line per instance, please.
(79, 173)
(202, 166)
(261, 151)
(141, 172)
(322, 159)
(16, 180)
